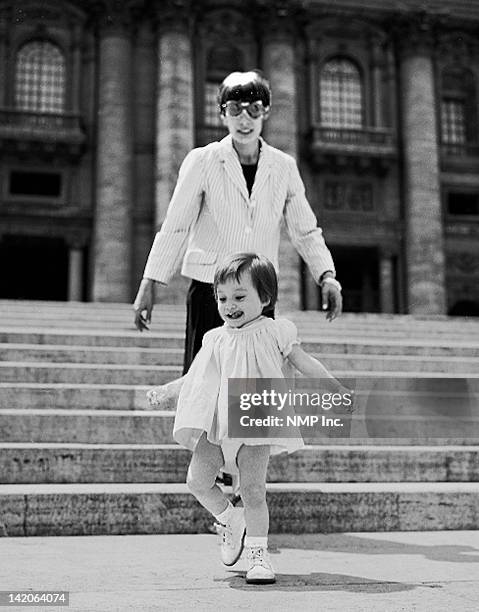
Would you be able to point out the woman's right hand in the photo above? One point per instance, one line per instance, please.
(144, 301)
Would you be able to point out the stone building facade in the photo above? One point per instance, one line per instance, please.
(100, 100)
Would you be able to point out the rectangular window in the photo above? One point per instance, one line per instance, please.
(212, 115)
(453, 121)
(40, 184)
(463, 203)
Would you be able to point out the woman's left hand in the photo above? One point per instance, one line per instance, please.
(332, 300)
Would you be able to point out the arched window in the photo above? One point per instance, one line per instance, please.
(341, 94)
(458, 107)
(221, 60)
(40, 78)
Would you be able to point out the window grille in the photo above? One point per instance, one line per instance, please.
(212, 115)
(341, 98)
(40, 77)
(453, 121)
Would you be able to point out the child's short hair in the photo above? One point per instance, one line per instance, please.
(262, 272)
(246, 87)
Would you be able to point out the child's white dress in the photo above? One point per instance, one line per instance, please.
(256, 350)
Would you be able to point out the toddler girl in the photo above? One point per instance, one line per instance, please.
(248, 345)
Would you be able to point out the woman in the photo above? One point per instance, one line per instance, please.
(232, 196)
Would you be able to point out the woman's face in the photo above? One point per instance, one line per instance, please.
(244, 128)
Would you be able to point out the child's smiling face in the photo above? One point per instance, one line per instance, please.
(239, 302)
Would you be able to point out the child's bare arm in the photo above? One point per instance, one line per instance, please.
(312, 368)
(165, 394)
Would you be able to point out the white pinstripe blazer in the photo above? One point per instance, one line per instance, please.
(211, 214)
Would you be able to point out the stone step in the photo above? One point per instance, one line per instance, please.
(11, 351)
(112, 311)
(91, 338)
(115, 374)
(90, 463)
(156, 340)
(86, 426)
(39, 396)
(317, 331)
(73, 396)
(53, 354)
(155, 427)
(87, 373)
(90, 354)
(126, 508)
(96, 313)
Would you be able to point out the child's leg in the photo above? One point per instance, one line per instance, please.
(253, 464)
(205, 464)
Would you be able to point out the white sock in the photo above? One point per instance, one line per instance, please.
(224, 516)
(256, 542)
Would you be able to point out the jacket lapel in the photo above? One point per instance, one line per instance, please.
(232, 166)
(264, 169)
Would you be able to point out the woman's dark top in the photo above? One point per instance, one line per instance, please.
(249, 171)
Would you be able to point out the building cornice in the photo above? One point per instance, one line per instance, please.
(457, 9)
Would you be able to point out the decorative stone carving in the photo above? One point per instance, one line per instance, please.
(415, 34)
(114, 15)
(174, 15)
(225, 25)
(464, 263)
(457, 46)
(45, 12)
(348, 196)
(36, 13)
(278, 19)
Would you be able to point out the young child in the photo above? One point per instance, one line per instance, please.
(248, 345)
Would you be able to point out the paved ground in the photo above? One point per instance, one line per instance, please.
(427, 571)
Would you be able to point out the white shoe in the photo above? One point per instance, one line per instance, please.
(233, 534)
(260, 570)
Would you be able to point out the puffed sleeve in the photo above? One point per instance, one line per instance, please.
(287, 335)
(210, 336)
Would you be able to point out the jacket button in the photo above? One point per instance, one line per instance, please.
(247, 229)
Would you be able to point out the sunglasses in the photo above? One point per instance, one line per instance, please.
(234, 108)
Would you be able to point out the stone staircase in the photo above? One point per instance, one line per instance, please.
(80, 454)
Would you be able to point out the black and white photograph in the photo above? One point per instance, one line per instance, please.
(239, 305)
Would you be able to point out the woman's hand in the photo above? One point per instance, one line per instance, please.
(144, 301)
(332, 300)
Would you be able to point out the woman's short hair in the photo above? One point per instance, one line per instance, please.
(245, 86)
(262, 272)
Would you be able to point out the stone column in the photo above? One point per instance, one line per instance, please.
(376, 84)
(112, 230)
(76, 68)
(75, 274)
(424, 231)
(174, 110)
(386, 281)
(144, 146)
(3, 54)
(174, 115)
(280, 129)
